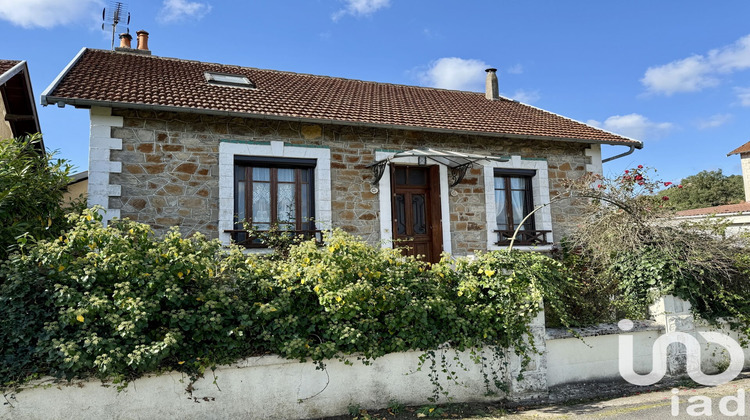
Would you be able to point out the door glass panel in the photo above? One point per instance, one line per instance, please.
(417, 176)
(261, 202)
(400, 175)
(400, 214)
(502, 212)
(419, 214)
(261, 174)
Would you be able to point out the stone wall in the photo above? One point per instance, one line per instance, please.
(170, 170)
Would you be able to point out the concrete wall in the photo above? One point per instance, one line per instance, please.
(168, 170)
(596, 357)
(265, 387)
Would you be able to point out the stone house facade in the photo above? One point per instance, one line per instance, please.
(203, 146)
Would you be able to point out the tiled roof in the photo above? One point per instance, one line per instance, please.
(110, 78)
(726, 209)
(6, 65)
(745, 148)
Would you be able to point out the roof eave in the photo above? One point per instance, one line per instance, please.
(23, 67)
(51, 88)
(50, 100)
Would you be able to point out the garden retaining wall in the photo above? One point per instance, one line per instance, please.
(271, 387)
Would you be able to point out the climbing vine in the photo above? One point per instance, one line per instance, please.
(115, 303)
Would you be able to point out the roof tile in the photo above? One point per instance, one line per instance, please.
(108, 76)
(725, 209)
(745, 148)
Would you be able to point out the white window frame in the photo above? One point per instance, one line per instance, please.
(386, 208)
(540, 193)
(228, 149)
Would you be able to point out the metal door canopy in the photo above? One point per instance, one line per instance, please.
(457, 162)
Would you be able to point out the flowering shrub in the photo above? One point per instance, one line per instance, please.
(116, 303)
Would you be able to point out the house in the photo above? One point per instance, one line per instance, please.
(77, 187)
(737, 215)
(203, 146)
(18, 115)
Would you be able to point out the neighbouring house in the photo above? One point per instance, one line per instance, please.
(77, 187)
(204, 146)
(737, 215)
(18, 115)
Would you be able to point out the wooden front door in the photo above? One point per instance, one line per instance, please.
(416, 211)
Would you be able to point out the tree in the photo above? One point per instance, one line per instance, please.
(705, 189)
(627, 248)
(32, 185)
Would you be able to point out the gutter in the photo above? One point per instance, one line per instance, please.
(611, 158)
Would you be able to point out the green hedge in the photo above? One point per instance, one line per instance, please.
(116, 302)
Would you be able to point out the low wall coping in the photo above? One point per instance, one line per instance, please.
(601, 329)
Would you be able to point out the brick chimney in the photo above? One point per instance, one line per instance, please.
(143, 41)
(744, 152)
(125, 39)
(491, 90)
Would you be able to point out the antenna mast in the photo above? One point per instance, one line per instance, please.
(117, 12)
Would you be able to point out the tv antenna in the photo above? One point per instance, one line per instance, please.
(113, 16)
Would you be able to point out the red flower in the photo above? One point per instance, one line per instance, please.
(627, 171)
(641, 182)
(640, 166)
(666, 184)
(638, 177)
(599, 186)
(665, 198)
(679, 186)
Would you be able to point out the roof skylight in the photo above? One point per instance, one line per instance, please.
(227, 79)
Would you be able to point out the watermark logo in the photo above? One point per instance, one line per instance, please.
(703, 406)
(693, 357)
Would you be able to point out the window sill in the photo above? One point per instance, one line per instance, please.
(531, 248)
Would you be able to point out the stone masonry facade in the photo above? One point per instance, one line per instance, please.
(170, 167)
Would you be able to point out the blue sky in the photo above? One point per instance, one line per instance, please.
(675, 74)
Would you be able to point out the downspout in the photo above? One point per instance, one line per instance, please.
(632, 149)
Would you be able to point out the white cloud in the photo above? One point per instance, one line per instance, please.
(48, 13)
(360, 8)
(455, 73)
(180, 10)
(714, 121)
(515, 69)
(526, 96)
(635, 126)
(743, 94)
(697, 72)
